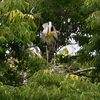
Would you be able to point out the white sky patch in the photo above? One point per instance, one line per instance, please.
(7, 51)
(72, 49)
(69, 19)
(2, 0)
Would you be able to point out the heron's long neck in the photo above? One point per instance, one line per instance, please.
(49, 29)
(50, 25)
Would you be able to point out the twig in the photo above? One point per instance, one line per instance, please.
(68, 33)
(65, 14)
(56, 17)
(40, 21)
(83, 70)
(89, 76)
(47, 54)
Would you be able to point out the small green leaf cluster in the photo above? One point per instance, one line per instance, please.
(64, 52)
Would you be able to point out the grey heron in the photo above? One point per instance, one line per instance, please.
(49, 35)
(34, 49)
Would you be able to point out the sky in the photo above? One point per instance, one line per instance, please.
(72, 48)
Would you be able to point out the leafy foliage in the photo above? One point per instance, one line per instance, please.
(14, 73)
(44, 85)
(17, 28)
(93, 27)
(20, 23)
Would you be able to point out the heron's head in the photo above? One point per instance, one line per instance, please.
(50, 25)
(35, 50)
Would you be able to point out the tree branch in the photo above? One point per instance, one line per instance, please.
(68, 33)
(56, 17)
(56, 69)
(83, 70)
(65, 14)
(89, 76)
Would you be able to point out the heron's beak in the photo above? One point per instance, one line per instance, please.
(39, 55)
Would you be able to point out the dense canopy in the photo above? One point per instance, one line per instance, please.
(20, 24)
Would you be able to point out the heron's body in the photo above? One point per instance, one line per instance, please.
(49, 35)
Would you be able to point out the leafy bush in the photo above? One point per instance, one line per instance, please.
(14, 74)
(46, 86)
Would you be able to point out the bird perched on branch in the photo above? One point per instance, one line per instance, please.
(34, 49)
(49, 35)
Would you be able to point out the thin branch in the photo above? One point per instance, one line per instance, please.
(68, 33)
(38, 25)
(89, 76)
(78, 72)
(65, 14)
(56, 17)
(58, 49)
(83, 70)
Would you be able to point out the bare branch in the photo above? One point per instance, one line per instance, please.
(56, 69)
(68, 33)
(89, 76)
(56, 17)
(65, 14)
(83, 70)
(38, 25)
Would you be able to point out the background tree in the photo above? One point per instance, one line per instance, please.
(90, 52)
(17, 28)
(75, 16)
(66, 16)
(20, 23)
